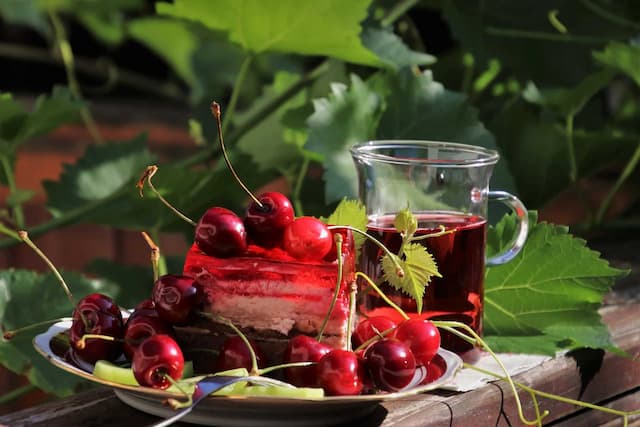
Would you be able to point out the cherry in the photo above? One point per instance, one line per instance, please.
(174, 297)
(303, 348)
(265, 223)
(221, 233)
(307, 239)
(235, 354)
(100, 315)
(141, 326)
(369, 328)
(156, 358)
(422, 337)
(390, 363)
(340, 373)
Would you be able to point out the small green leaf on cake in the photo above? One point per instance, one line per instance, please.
(353, 213)
(418, 267)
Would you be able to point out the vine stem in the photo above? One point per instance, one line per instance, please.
(67, 59)
(540, 35)
(555, 396)
(382, 294)
(18, 213)
(573, 167)
(624, 175)
(235, 92)
(608, 16)
(399, 9)
(16, 393)
(297, 188)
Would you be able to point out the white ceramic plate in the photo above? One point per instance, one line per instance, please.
(247, 411)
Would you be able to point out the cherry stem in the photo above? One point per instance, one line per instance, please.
(25, 238)
(82, 341)
(391, 255)
(443, 232)
(284, 366)
(155, 255)
(382, 294)
(148, 173)
(338, 239)
(254, 362)
(215, 110)
(175, 403)
(352, 313)
(7, 335)
(379, 335)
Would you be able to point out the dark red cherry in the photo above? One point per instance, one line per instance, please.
(235, 354)
(265, 224)
(371, 327)
(156, 358)
(422, 337)
(303, 348)
(97, 314)
(221, 233)
(390, 364)
(307, 239)
(340, 373)
(174, 297)
(139, 327)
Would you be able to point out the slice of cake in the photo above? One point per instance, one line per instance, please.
(271, 297)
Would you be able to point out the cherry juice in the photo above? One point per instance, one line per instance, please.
(460, 257)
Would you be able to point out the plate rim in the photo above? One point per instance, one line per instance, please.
(41, 343)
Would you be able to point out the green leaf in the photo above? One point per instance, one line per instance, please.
(569, 101)
(346, 117)
(418, 266)
(554, 287)
(172, 40)
(19, 197)
(109, 29)
(287, 26)
(418, 107)
(391, 49)
(621, 57)
(101, 172)
(352, 213)
(19, 308)
(529, 344)
(25, 12)
(405, 222)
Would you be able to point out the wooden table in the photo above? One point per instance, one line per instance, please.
(589, 375)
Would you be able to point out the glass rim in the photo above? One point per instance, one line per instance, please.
(370, 151)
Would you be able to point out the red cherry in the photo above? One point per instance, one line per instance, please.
(371, 327)
(235, 354)
(97, 314)
(303, 348)
(422, 337)
(390, 364)
(221, 233)
(174, 297)
(141, 326)
(265, 224)
(157, 357)
(307, 239)
(340, 373)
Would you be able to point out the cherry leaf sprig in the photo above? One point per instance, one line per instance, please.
(417, 264)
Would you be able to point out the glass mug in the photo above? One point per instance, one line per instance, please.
(443, 184)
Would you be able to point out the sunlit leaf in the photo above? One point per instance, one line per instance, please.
(284, 26)
(621, 57)
(391, 49)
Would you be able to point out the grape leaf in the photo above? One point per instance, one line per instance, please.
(554, 288)
(101, 172)
(25, 12)
(18, 308)
(173, 40)
(353, 213)
(405, 222)
(347, 116)
(622, 57)
(391, 49)
(418, 266)
(287, 26)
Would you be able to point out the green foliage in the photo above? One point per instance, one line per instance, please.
(552, 290)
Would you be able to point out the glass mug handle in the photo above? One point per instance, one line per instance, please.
(522, 227)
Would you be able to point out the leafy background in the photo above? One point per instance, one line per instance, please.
(532, 79)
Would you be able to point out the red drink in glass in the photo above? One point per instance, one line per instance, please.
(460, 257)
